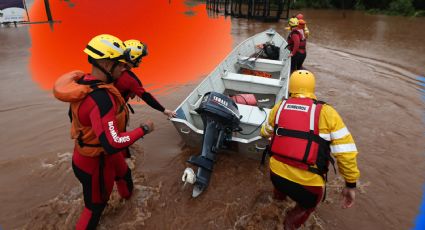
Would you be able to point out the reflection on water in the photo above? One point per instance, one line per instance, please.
(181, 47)
(397, 39)
(389, 41)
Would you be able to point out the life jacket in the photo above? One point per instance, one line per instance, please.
(302, 33)
(303, 40)
(73, 89)
(296, 139)
(245, 99)
(256, 73)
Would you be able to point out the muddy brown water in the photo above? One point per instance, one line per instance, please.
(366, 67)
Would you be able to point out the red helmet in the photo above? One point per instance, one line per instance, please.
(299, 16)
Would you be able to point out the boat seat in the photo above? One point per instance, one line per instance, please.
(197, 103)
(250, 83)
(262, 64)
(252, 115)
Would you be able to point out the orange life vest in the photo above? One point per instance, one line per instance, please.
(256, 73)
(68, 89)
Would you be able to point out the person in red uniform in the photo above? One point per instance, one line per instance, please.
(99, 117)
(296, 44)
(302, 24)
(129, 84)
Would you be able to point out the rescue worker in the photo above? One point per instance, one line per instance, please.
(99, 117)
(305, 134)
(296, 44)
(129, 84)
(302, 24)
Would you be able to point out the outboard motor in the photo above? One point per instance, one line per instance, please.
(220, 116)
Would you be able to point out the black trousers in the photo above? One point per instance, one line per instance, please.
(297, 61)
(306, 197)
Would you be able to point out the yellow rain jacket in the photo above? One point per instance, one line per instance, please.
(331, 128)
(306, 31)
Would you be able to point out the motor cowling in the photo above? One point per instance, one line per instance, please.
(220, 107)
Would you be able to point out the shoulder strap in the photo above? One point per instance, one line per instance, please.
(81, 81)
(102, 99)
(114, 91)
(321, 102)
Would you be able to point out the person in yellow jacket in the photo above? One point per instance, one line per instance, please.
(305, 135)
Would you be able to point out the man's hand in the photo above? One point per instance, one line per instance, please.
(290, 55)
(169, 113)
(348, 197)
(147, 126)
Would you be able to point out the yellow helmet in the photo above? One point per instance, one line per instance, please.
(293, 22)
(106, 46)
(302, 82)
(137, 51)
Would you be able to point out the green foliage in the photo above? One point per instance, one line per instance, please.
(375, 4)
(419, 13)
(346, 4)
(312, 4)
(401, 7)
(359, 6)
(392, 7)
(298, 5)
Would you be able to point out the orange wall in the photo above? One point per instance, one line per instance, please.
(181, 47)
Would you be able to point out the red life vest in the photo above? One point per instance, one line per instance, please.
(303, 41)
(296, 139)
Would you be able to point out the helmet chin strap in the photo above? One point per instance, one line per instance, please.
(108, 75)
(116, 63)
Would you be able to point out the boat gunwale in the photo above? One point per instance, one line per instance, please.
(223, 61)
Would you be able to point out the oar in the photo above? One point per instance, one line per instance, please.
(251, 63)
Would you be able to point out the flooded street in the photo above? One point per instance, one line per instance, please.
(370, 72)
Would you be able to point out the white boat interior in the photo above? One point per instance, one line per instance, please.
(236, 75)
